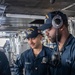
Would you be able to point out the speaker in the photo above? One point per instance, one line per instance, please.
(57, 21)
(52, 1)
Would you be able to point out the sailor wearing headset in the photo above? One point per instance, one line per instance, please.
(63, 57)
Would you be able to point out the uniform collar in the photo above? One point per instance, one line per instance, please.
(67, 42)
(41, 54)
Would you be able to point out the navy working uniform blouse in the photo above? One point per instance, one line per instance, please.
(67, 62)
(34, 65)
(4, 65)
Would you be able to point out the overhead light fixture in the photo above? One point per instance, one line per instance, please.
(25, 16)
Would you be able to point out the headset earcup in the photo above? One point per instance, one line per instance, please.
(57, 21)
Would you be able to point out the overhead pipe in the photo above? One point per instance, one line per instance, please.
(68, 6)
